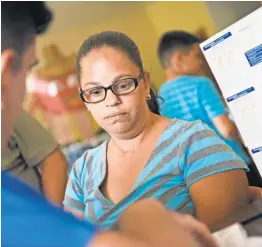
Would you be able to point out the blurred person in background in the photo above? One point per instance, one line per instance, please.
(190, 97)
(34, 155)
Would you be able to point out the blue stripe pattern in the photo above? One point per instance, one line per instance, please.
(184, 153)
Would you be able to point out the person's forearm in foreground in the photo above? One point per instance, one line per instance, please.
(148, 224)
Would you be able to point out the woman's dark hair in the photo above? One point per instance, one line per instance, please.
(123, 43)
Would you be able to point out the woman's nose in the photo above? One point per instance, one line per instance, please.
(111, 99)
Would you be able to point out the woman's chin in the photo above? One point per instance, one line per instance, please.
(121, 128)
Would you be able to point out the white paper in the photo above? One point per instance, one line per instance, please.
(233, 236)
(254, 242)
(236, 236)
(235, 58)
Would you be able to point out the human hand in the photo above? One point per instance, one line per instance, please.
(199, 230)
(255, 193)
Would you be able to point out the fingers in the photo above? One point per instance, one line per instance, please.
(149, 221)
(255, 192)
(199, 230)
(114, 239)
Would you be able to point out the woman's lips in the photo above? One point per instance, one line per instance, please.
(113, 115)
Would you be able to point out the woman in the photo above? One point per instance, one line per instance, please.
(184, 165)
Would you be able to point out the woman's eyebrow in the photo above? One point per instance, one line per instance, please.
(119, 77)
(91, 83)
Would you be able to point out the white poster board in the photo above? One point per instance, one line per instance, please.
(235, 58)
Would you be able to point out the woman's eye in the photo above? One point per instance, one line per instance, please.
(95, 92)
(123, 85)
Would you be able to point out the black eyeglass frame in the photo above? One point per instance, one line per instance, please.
(135, 80)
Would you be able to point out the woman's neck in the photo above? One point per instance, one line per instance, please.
(133, 142)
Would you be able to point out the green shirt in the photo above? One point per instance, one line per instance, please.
(27, 148)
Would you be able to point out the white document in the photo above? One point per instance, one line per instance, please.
(235, 58)
(254, 242)
(232, 236)
(236, 236)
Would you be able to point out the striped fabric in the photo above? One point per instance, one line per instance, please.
(185, 153)
(192, 98)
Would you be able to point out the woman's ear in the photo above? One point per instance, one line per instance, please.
(146, 77)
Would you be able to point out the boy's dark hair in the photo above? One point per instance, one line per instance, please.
(123, 43)
(20, 22)
(172, 41)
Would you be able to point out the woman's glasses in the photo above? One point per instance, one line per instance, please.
(121, 87)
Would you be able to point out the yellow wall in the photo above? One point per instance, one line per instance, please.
(187, 16)
(135, 23)
(144, 23)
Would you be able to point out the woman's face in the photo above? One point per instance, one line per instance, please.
(116, 114)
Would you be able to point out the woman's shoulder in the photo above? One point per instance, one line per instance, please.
(90, 157)
(187, 132)
(182, 126)
(93, 152)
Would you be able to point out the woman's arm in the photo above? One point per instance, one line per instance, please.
(214, 174)
(219, 195)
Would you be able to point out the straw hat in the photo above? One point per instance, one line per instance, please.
(56, 64)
